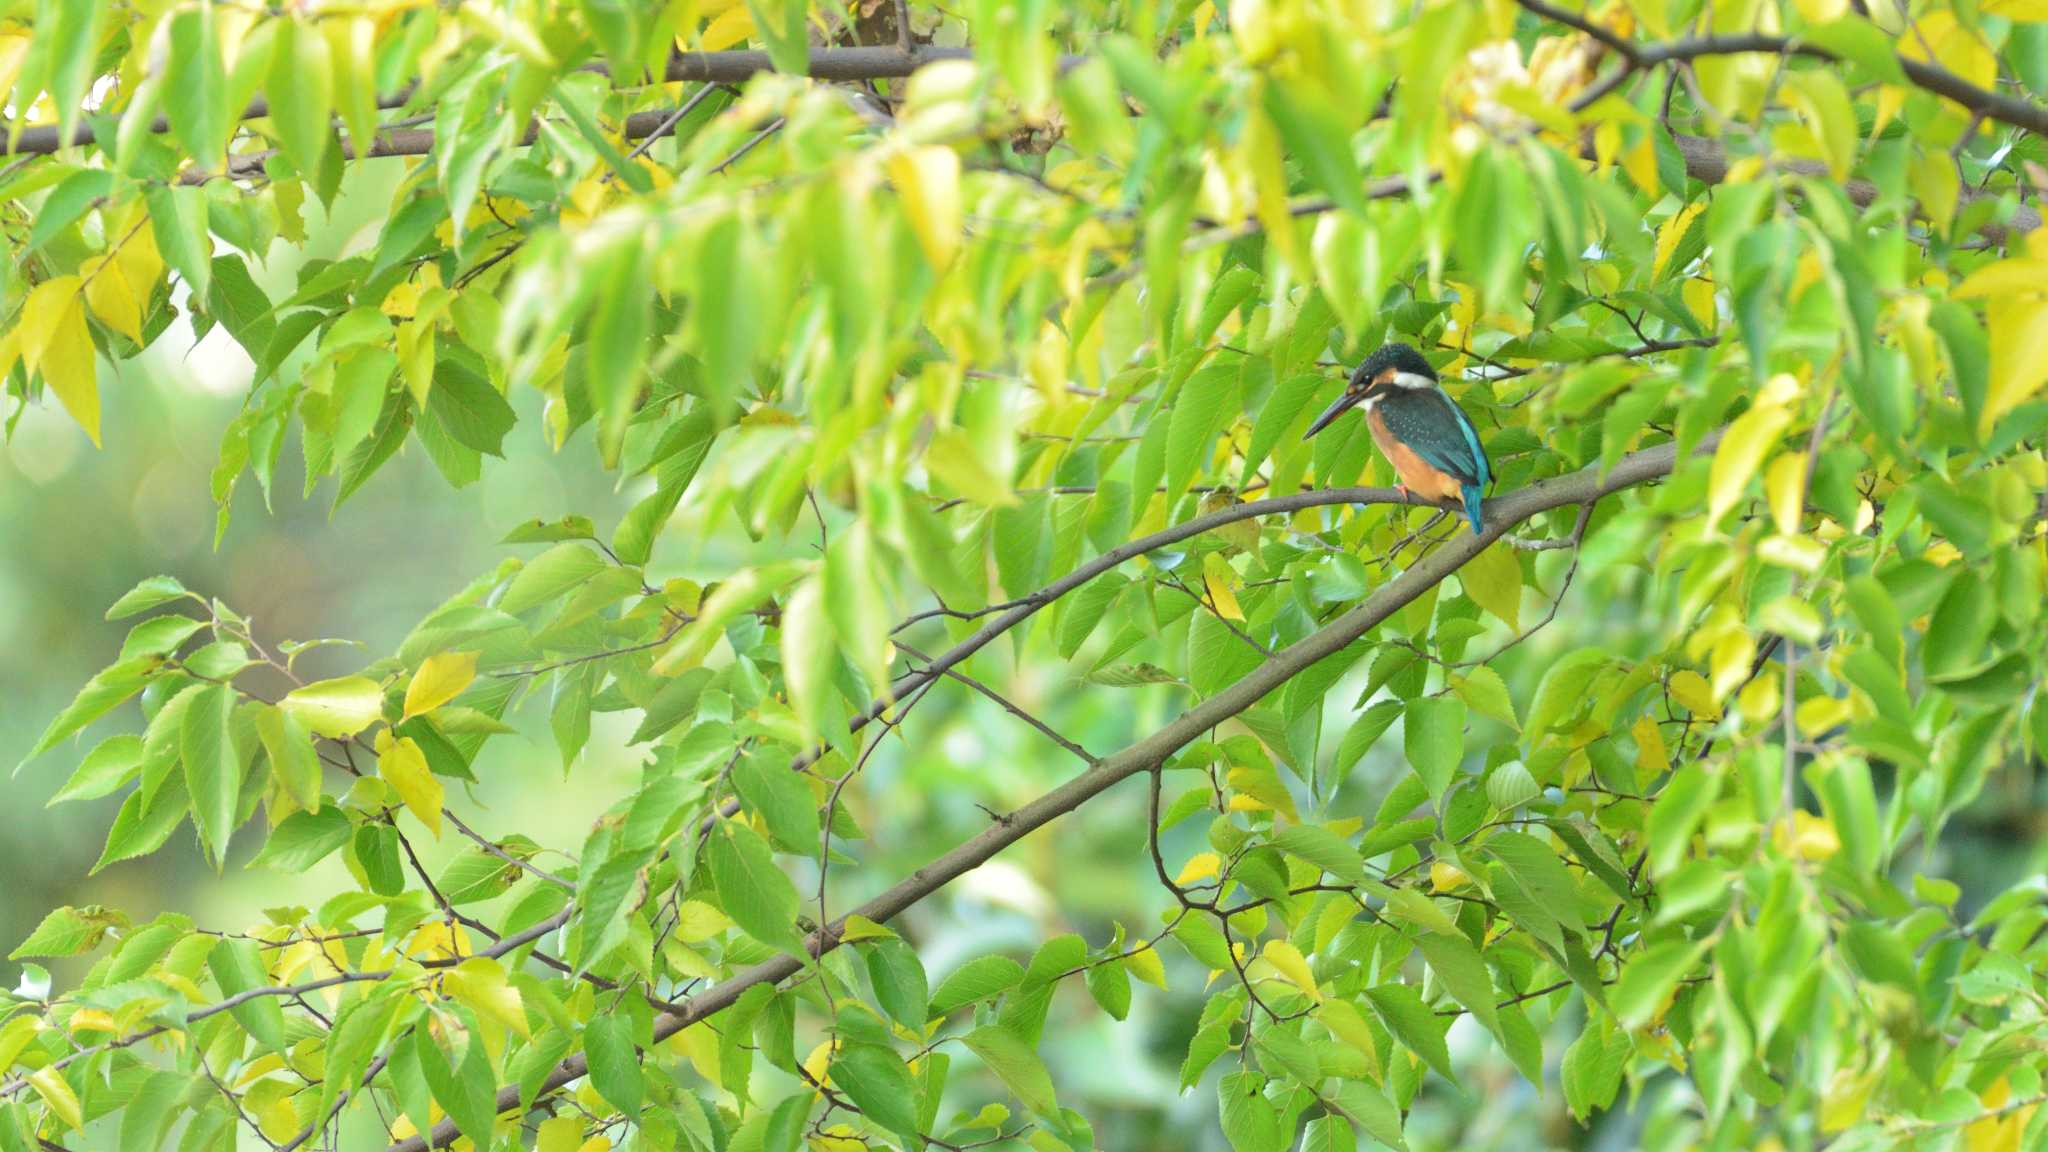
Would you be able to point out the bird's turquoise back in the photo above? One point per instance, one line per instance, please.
(1431, 423)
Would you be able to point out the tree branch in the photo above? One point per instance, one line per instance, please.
(1506, 512)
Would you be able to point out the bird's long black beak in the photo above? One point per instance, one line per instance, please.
(1344, 404)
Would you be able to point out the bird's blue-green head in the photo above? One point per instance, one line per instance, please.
(1392, 366)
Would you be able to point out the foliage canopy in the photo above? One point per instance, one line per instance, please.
(973, 341)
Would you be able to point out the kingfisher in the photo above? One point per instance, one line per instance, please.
(1419, 429)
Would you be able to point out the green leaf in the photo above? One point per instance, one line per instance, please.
(304, 839)
(1463, 973)
(1433, 735)
(1315, 135)
(781, 27)
(69, 931)
(1196, 415)
(177, 217)
(1324, 849)
(982, 978)
(752, 890)
(1421, 1031)
(237, 966)
(145, 822)
(1017, 1066)
(152, 592)
(1540, 873)
(1648, 979)
(474, 413)
(550, 576)
(301, 91)
(213, 766)
(1250, 1121)
(899, 980)
(195, 88)
(464, 1091)
(292, 758)
(1372, 1112)
(101, 695)
(1563, 690)
(614, 1062)
(879, 1084)
(116, 761)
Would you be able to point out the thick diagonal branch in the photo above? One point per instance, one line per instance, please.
(1509, 511)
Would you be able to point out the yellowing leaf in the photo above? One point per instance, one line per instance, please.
(479, 983)
(560, 1134)
(56, 1092)
(1955, 47)
(55, 343)
(1294, 966)
(1144, 963)
(696, 920)
(1216, 578)
(440, 679)
(1741, 452)
(1493, 579)
(953, 459)
(1446, 877)
(1822, 104)
(336, 708)
(404, 767)
(1201, 866)
(928, 180)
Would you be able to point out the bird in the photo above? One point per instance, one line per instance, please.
(1430, 441)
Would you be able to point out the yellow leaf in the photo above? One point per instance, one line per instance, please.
(732, 26)
(861, 928)
(2017, 11)
(404, 767)
(1730, 661)
(1741, 452)
(440, 940)
(1785, 486)
(1144, 963)
(92, 1020)
(1201, 866)
(2019, 276)
(1216, 577)
(2019, 355)
(1652, 757)
(1693, 694)
(1955, 47)
(1294, 966)
(928, 180)
(440, 679)
(1672, 232)
(56, 1092)
(1262, 788)
(1810, 837)
(55, 342)
(1446, 877)
(110, 297)
(597, 1143)
(1640, 162)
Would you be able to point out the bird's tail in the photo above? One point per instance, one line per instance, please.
(1472, 498)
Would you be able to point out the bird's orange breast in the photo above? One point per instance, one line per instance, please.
(1418, 475)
